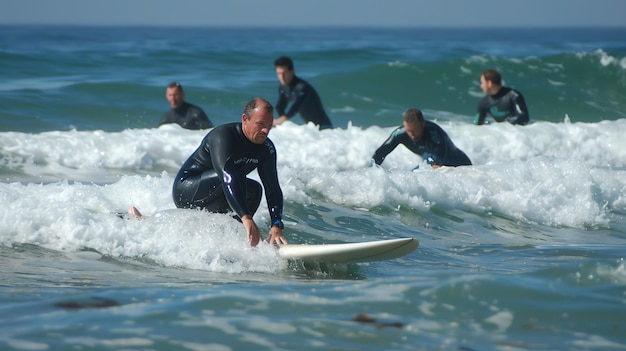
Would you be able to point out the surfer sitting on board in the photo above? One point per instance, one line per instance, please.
(502, 103)
(424, 138)
(214, 177)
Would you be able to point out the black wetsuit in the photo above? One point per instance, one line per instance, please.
(188, 116)
(435, 147)
(304, 100)
(214, 177)
(506, 105)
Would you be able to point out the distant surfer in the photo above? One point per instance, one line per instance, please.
(186, 115)
(501, 103)
(302, 96)
(424, 138)
(214, 177)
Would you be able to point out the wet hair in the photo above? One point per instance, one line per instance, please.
(491, 75)
(284, 61)
(413, 115)
(175, 85)
(254, 103)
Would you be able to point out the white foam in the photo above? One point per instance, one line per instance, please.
(554, 174)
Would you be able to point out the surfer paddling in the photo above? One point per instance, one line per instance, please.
(214, 177)
(424, 138)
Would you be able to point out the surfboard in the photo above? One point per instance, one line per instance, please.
(350, 252)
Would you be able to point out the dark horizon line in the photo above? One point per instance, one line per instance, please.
(191, 26)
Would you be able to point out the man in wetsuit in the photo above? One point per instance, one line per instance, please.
(502, 103)
(186, 115)
(303, 97)
(214, 177)
(424, 138)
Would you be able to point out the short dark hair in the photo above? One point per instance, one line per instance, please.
(413, 115)
(254, 103)
(491, 75)
(284, 61)
(175, 85)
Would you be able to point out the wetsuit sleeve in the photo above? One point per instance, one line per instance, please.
(282, 102)
(233, 176)
(438, 150)
(520, 109)
(301, 91)
(273, 193)
(387, 147)
(480, 119)
(203, 120)
(481, 116)
(234, 182)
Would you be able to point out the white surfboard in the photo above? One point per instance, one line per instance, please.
(350, 252)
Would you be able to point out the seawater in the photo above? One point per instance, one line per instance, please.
(524, 250)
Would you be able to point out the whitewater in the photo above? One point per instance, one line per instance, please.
(552, 174)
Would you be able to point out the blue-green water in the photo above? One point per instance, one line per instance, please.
(522, 251)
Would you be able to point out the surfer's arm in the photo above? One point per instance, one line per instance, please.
(233, 176)
(482, 110)
(521, 109)
(282, 102)
(301, 93)
(234, 183)
(281, 105)
(273, 192)
(479, 119)
(203, 120)
(439, 147)
(387, 147)
(254, 235)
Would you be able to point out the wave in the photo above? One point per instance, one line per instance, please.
(554, 174)
(598, 144)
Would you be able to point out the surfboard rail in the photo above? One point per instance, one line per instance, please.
(369, 251)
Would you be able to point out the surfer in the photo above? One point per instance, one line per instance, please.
(186, 115)
(502, 103)
(302, 96)
(214, 177)
(424, 138)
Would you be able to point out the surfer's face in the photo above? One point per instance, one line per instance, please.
(414, 130)
(257, 125)
(174, 96)
(285, 75)
(487, 86)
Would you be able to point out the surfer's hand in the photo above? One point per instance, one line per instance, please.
(254, 236)
(276, 236)
(279, 121)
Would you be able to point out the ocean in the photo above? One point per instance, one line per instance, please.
(524, 250)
